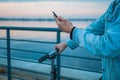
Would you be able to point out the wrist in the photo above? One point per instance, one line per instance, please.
(70, 29)
(65, 44)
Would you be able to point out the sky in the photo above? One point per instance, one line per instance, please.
(44, 8)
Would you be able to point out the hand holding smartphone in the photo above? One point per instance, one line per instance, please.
(55, 15)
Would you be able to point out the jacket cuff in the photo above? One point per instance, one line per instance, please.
(77, 36)
(71, 33)
(71, 44)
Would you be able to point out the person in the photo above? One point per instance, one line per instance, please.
(100, 38)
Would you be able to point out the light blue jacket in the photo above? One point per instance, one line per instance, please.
(102, 38)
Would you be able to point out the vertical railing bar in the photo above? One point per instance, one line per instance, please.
(8, 55)
(58, 57)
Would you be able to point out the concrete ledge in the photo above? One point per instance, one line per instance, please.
(72, 74)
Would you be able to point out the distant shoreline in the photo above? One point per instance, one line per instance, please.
(44, 19)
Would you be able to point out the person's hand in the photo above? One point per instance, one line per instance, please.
(64, 24)
(60, 47)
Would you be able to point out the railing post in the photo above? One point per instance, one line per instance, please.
(8, 55)
(58, 57)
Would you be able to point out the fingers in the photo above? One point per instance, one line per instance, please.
(58, 49)
(60, 19)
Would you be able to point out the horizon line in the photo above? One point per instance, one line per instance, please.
(45, 19)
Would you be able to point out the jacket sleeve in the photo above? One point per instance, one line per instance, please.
(106, 45)
(97, 27)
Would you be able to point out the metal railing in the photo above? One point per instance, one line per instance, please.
(8, 36)
(8, 48)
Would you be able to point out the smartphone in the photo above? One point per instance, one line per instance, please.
(55, 15)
